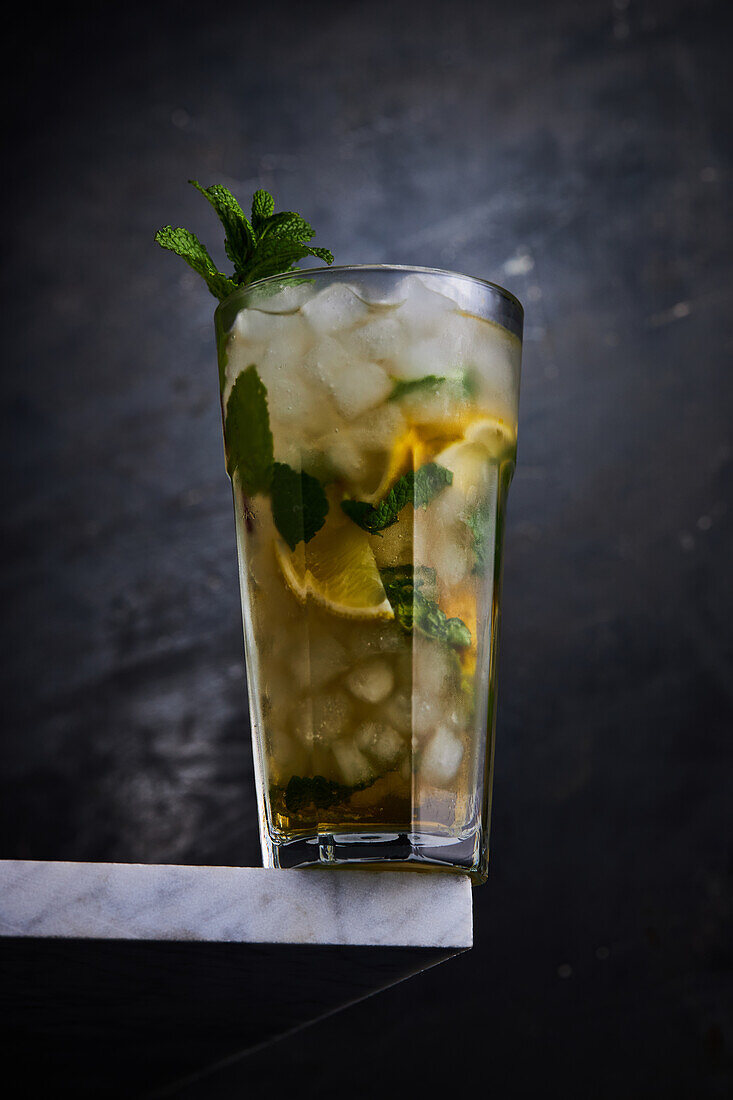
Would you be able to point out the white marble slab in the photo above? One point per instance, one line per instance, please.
(234, 904)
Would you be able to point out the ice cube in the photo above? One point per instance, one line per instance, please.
(377, 429)
(451, 555)
(252, 327)
(287, 300)
(427, 713)
(493, 356)
(442, 758)
(301, 724)
(372, 681)
(352, 763)
(382, 337)
(436, 355)
(298, 668)
(286, 755)
(359, 388)
(398, 711)
(328, 658)
(422, 309)
(355, 386)
(371, 641)
(345, 459)
(334, 309)
(381, 742)
(291, 402)
(331, 711)
(288, 341)
(433, 669)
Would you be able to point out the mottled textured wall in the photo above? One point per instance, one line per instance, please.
(578, 153)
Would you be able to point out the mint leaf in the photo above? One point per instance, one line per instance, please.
(430, 480)
(316, 790)
(407, 589)
(268, 245)
(240, 240)
(276, 255)
(247, 433)
(416, 487)
(478, 524)
(287, 225)
(186, 245)
(461, 382)
(299, 504)
(402, 387)
(263, 206)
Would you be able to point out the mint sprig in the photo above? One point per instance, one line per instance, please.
(268, 244)
(299, 503)
(417, 487)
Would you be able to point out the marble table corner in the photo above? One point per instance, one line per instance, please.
(189, 969)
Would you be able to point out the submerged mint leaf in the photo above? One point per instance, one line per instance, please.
(247, 433)
(186, 245)
(316, 790)
(462, 385)
(410, 591)
(457, 633)
(478, 524)
(299, 504)
(416, 487)
(404, 386)
(268, 245)
(430, 480)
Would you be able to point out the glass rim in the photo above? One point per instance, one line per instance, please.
(495, 288)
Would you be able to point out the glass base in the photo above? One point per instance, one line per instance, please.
(381, 851)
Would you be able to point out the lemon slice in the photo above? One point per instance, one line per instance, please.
(337, 570)
(493, 433)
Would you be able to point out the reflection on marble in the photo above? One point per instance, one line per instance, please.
(234, 904)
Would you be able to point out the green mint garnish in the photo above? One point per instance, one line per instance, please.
(268, 244)
(410, 591)
(247, 433)
(460, 381)
(417, 487)
(189, 247)
(299, 504)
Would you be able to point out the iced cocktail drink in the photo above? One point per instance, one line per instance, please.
(370, 423)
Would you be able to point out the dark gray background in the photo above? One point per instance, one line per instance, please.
(578, 153)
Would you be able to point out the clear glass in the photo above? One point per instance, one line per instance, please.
(370, 642)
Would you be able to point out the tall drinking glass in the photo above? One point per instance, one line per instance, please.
(370, 425)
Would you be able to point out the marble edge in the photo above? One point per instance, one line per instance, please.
(133, 901)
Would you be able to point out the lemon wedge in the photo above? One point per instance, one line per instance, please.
(337, 570)
(493, 433)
